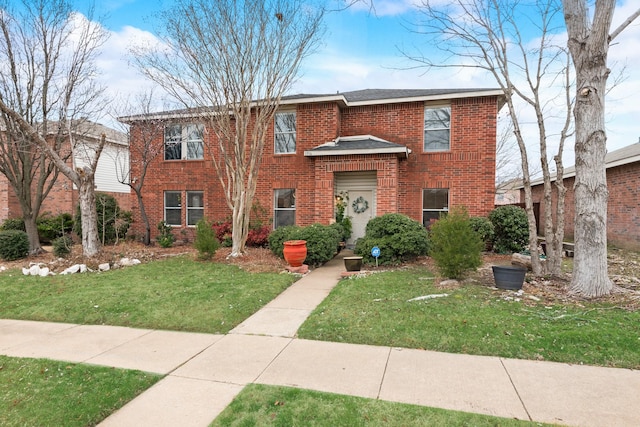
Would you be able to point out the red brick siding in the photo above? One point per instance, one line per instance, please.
(623, 215)
(468, 170)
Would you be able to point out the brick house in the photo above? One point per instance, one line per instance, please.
(623, 177)
(63, 197)
(416, 152)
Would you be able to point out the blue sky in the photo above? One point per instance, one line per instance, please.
(361, 51)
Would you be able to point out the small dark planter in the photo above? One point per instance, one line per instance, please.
(508, 276)
(353, 263)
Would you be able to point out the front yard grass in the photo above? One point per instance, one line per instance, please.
(38, 392)
(260, 405)
(173, 294)
(474, 319)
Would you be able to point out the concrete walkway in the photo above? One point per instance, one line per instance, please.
(205, 372)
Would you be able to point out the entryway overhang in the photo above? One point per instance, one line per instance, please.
(358, 145)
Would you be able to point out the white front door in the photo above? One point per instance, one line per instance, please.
(361, 209)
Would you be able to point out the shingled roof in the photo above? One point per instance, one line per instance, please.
(352, 98)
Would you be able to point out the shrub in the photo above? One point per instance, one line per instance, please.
(113, 223)
(399, 238)
(52, 227)
(223, 232)
(511, 229)
(281, 235)
(340, 229)
(165, 237)
(62, 246)
(455, 246)
(484, 229)
(13, 224)
(322, 243)
(206, 242)
(14, 244)
(258, 236)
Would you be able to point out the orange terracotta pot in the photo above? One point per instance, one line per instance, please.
(295, 252)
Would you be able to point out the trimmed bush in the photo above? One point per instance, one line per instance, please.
(399, 238)
(281, 235)
(14, 244)
(62, 246)
(455, 247)
(206, 242)
(13, 224)
(511, 229)
(322, 243)
(484, 229)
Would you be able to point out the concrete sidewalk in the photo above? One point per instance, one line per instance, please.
(205, 372)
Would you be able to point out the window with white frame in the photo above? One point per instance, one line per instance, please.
(285, 132)
(173, 208)
(437, 128)
(195, 207)
(183, 141)
(435, 202)
(284, 207)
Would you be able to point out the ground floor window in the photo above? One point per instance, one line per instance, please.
(284, 207)
(173, 214)
(435, 202)
(173, 208)
(195, 207)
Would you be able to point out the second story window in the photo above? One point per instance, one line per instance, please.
(183, 142)
(437, 128)
(285, 132)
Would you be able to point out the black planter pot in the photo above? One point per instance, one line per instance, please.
(353, 263)
(508, 276)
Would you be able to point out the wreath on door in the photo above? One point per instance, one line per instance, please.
(360, 205)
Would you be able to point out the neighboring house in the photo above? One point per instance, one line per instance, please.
(63, 197)
(508, 193)
(416, 152)
(623, 182)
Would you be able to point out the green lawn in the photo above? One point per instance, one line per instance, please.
(38, 392)
(174, 294)
(475, 320)
(260, 405)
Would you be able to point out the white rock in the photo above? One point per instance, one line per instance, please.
(44, 272)
(72, 270)
(83, 268)
(428, 297)
(127, 262)
(25, 271)
(34, 270)
(104, 267)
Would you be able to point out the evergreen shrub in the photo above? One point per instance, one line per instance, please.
(484, 229)
(511, 229)
(165, 235)
(51, 227)
(14, 244)
(62, 246)
(13, 224)
(206, 242)
(399, 238)
(455, 247)
(281, 235)
(322, 241)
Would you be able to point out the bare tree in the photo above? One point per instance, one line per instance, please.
(233, 60)
(589, 41)
(47, 79)
(486, 35)
(144, 148)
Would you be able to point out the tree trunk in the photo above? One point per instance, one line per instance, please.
(589, 47)
(32, 232)
(90, 241)
(143, 215)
